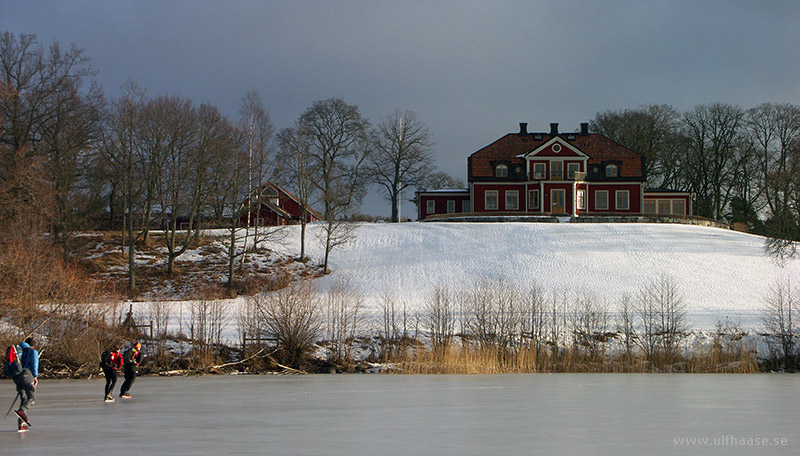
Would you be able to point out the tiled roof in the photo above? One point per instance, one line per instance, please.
(600, 149)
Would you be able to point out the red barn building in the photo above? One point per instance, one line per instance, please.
(556, 174)
(276, 206)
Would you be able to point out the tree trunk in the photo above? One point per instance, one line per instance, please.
(131, 253)
(395, 215)
(303, 236)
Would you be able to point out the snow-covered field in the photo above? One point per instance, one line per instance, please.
(717, 270)
(721, 274)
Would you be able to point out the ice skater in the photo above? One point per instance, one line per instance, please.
(110, 361)
(131, 358)
(26, 382)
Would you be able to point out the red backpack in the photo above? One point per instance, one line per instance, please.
(12, 365)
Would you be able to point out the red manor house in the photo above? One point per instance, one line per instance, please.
(554, 174)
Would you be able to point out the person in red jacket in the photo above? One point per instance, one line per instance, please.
(110, 361)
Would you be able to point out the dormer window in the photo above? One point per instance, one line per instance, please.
(501, 171)
(612, 171)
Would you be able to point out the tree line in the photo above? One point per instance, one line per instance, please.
(73, 159)
(743, 165)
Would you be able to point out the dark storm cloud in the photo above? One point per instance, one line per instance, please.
(471, 70)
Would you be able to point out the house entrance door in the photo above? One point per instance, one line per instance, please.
(557, 198)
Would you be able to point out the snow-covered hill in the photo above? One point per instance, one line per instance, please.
(720, 273)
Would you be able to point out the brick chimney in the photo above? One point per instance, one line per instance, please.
(523, 129)
(584, 129)
(553, 129)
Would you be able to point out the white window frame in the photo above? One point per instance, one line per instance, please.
(627, 195)
(615, 168)
(486, 196)
(540, 174)
(533, 197)
(573, 168)
(451, 206)
(580, 199)
(430, 206)
(515, 195)
(465, 206)
(597, 207)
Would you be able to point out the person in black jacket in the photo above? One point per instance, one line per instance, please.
(130, 359)
(110, 361)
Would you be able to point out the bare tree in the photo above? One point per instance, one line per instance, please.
(778, 318)
(209, 320)
(438, 180)
(651, 130)
(294, 156)
(258, 130)
(49, 114)
(344, 320)
(395, 331)
(479, 314)
(180, 189)
(293, 315)
(534, 324)
(339, 147)
(662, 318)
(32, 81)
(588, 321)
(715, 148)
(773, 130)
(160, 314)
(402, 156)
(626, 325)
(69, 139)
(439, 318)
(122, 151)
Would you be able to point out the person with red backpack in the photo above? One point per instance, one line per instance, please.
(23, 367)
(131, 358)
(110, 361)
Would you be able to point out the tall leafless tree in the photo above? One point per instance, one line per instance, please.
(122, 150)
(439, 318)
(296, 172)
(181, 188)
(715, 147)
(258, 129)
(49, 114)
(402, 157)
(661, 314)
(779, 318)
(774, 134)
(340, 144)
(651, 130)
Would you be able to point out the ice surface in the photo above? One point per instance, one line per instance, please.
(410, 415)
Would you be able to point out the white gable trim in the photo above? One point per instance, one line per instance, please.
(547, 145)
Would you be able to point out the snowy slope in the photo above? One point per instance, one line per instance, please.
(718, 271)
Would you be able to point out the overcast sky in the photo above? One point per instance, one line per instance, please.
(470, 70)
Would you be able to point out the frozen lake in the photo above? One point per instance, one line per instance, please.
(415, 415)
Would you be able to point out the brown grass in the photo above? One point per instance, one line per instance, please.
(477, 360)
